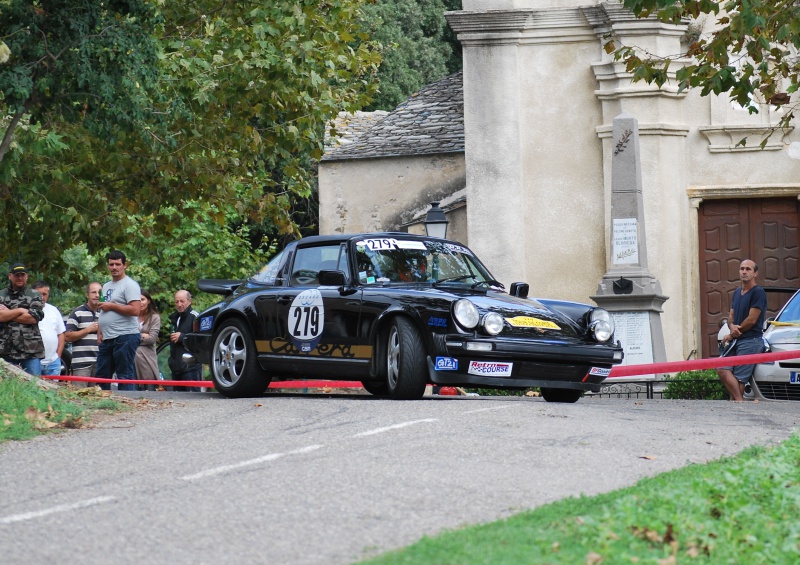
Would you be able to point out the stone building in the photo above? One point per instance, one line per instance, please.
(519, 149)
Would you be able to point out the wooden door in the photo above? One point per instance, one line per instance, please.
(764, 230)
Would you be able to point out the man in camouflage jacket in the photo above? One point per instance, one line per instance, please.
(21, 309)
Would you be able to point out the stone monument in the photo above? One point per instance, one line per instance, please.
(628, 290)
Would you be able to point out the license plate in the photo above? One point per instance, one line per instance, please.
(793, 378)
(490, 369)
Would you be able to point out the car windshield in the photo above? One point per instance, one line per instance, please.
(791, 313)
(398, 260)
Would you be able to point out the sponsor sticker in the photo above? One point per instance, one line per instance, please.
(405, 244)
(206, 323)
(306, 320)
(386, 244)
(530, 322)
(458, 249)
(599, 371)
(437, 322)
(490, 369)
(446, 364)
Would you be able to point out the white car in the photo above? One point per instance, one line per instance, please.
(780, 380)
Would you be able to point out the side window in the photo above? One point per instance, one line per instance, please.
(268, 274)
(342, 264)
(309, 261)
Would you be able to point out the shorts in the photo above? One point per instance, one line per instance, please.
(748, 346)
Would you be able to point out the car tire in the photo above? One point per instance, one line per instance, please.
(566, 395)
(234, 367)
(377, 389)
(405, 361)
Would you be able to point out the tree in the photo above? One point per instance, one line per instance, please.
(235, 107)
(415, 52)
(82, 60)
(752, 52)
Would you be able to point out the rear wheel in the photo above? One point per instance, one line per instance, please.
(405, 361)
(561, 394)
(234, 367)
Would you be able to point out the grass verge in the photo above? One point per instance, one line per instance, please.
(26, 410)
(740, 509)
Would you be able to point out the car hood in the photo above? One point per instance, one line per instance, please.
(525, 317)
(528, 316)
(778, 335)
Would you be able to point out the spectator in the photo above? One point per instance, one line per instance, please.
(182, 321)
(82, 334)
(52, 329)
(118, 333)
(748, 310)
(21, 310)
(146, 361)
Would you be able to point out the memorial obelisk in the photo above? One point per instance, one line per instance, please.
(628, 290)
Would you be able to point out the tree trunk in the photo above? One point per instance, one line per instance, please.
(6, 143)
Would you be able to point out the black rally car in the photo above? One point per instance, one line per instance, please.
(396, 311)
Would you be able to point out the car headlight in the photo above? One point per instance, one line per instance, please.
(493, 323)
(466, 314)
(601, 325)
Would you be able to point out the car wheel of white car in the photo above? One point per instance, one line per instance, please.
(234, 367)
(405, 361)
(567, 395)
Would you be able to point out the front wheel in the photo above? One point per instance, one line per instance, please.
(405, 361)
(234, 367)
(567, 395)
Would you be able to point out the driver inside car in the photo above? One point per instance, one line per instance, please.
(412, 269)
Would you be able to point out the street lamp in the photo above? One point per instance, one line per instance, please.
(436, 222)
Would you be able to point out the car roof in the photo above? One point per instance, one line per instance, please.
(314, 239)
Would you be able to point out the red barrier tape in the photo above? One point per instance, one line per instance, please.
(617, 371)
(676, 366)
(206, 384)
(99, 380)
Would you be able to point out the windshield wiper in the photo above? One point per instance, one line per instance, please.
(490, 282)
(455, 279)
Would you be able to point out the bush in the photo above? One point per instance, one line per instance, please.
(695, 385)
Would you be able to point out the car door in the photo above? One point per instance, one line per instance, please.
(319, 324)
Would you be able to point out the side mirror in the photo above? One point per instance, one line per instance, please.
(331, 278)
(519, 289)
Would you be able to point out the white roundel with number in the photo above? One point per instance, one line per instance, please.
(306, 320)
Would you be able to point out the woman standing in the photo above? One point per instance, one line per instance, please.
(146, 361)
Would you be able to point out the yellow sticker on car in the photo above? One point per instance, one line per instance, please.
(529, 322)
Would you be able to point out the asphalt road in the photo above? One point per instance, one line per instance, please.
(334, 479)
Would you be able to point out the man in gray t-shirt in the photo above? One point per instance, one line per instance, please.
(118, 333)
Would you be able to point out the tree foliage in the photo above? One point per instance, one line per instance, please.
(415, 50)
(751, 52)
(229, 111)
(80, 61)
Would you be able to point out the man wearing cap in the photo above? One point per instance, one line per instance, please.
(21, 310)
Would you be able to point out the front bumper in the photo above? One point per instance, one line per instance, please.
(518, 363)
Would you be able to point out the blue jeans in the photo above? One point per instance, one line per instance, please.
(53, 368)
(32, 366)
(116, 355)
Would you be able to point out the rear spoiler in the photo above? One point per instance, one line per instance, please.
(225, 287)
